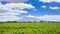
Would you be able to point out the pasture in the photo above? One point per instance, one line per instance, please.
(29, 28)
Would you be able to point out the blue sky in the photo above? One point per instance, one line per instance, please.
(46, 10)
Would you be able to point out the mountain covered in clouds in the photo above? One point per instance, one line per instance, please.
(26, 19)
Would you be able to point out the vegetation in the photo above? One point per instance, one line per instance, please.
(29, 28)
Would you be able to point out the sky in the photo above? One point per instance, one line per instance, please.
(29, 10)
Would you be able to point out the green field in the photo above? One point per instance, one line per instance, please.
(29, 28)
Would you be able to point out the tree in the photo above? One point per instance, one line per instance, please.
(41, 21)
(34, 21)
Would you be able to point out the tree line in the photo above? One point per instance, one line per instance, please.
(30, 22)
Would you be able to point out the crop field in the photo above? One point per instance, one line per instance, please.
(29, 28)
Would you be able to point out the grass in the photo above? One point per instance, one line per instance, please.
(29, 28)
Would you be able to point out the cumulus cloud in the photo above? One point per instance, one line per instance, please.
(47, 17)
(14, 1)
(48, 1)
(54, 8)
(51, 7)
(50, 17)
(43, 6)
(9, 11)
(30, 16)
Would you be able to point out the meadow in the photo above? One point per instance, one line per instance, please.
(29, 28)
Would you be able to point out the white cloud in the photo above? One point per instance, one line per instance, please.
(47, 17)
(43, 6)
(54, 8)
(30, 16)
(50, 17)
(48, 1)
(9, 11)
(51, 7)
(14, 1)
(8, 18)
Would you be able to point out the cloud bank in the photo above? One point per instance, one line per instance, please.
(9, 11)
(14, 1)
(46, 17)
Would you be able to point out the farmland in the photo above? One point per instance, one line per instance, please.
(29, 28)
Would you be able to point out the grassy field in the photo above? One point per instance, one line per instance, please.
(29, 28)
